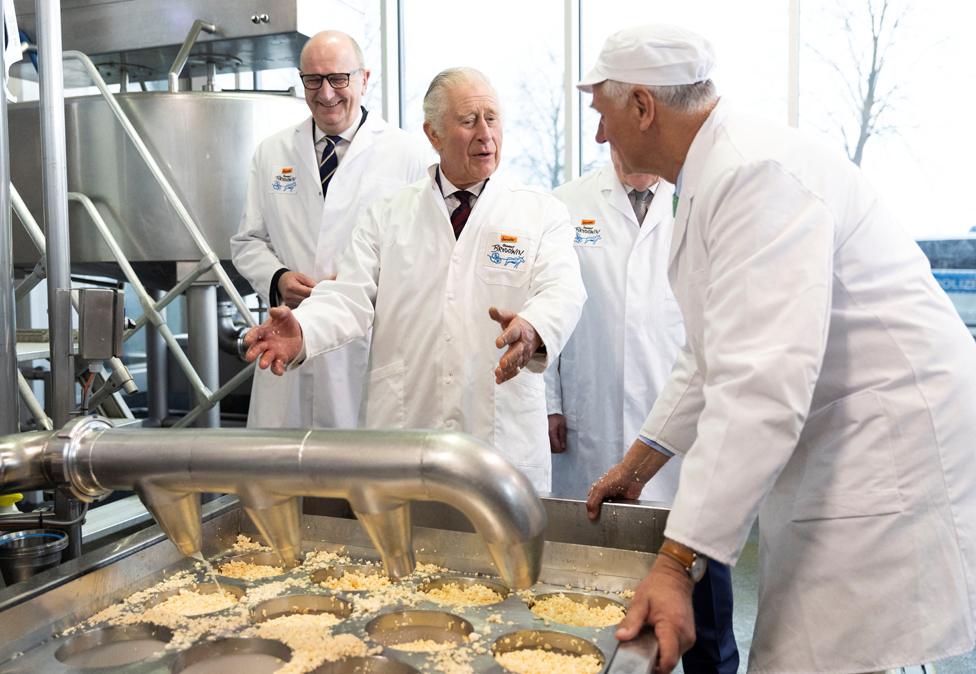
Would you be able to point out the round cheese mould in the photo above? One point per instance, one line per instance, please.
(587, 600)
(400, 628)
(303, 604)
(199, 588)
(336, 574)
(113, 646)
(547, 641)
(241, 656)
(464, 582)
(373, 664)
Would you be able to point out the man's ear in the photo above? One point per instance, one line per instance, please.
(432, 136)
(644, 106)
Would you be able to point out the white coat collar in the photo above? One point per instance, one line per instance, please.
(615, 193)
(304, 148)
(698, 152)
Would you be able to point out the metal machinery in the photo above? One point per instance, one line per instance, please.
(379, 473)
(152, 183)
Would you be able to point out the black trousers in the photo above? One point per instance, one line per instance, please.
(715, 651)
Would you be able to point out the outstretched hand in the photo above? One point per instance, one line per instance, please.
(276, 342)
(520, 337)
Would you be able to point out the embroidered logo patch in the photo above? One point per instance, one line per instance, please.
(506, 254)
(587, 233)
(285, 181)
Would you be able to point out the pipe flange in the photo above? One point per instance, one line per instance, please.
(67, 466)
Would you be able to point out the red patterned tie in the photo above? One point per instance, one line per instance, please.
(461, 213)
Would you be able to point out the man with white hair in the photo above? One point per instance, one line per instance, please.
(429, 270)
(599, 397)
(826, 385)
(307, 188)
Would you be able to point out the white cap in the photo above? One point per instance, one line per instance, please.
(655, 55)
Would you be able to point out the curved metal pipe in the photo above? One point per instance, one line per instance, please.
(378, 472)
(184, 53)
(230, 335)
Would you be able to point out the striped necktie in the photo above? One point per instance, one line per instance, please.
(461, 213)
(329, 162)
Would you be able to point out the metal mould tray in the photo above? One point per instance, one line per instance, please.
(139, 562)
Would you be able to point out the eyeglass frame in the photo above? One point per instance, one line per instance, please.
(327, 78)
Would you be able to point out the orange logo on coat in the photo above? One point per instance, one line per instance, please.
(508, 238)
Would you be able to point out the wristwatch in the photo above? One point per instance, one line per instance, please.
(693, 563)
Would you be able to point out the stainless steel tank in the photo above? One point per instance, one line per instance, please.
(204, 141)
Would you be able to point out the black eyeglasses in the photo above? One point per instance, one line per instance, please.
(314, 81)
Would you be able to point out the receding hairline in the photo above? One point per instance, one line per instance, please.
(326, 35)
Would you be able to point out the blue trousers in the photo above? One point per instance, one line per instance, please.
(715, 651)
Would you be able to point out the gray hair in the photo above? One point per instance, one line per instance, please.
(682, 97)
(435, 100)
(356, 49)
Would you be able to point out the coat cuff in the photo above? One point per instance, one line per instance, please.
(274, 297)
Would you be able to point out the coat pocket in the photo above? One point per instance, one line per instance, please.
(521, 429)
(850, 468)
(505, 258)
(384, 396)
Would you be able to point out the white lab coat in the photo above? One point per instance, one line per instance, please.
(292, 227)
(628, 336)
(828, 385)
(426, 297)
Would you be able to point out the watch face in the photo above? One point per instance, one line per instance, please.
(698, 568)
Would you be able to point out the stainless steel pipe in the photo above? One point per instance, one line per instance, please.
(55, 179)
(9, 407)
(201, 330)
(184, 53)
(378, 472)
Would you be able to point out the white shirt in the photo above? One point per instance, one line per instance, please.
(346, 137)
(449, 192)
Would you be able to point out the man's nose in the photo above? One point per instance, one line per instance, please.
(327, 93)
(601, 136)
(482, 130)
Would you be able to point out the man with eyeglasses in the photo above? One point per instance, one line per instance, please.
(465, 278)
(308, 186)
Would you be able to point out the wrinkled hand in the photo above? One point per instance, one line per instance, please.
(620, 481)
(521, 339)
(663, 601)
(276, 341)
(293, 287)
(557, 433)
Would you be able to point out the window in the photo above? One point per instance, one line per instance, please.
(518, 45)
(916, 148)
(751, 43)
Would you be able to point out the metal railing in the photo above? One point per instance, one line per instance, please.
(209, 264)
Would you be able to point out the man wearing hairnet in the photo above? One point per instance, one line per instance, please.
(826, 385)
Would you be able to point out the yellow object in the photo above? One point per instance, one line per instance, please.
(8, 500)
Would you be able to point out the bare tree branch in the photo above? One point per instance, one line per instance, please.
(870, 41)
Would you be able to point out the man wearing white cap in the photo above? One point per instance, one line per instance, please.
(826, 385)
(618, 359)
